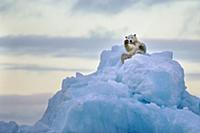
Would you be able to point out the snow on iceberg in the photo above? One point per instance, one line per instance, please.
(146, 94)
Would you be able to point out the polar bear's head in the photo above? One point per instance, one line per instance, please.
(133, 45)
(130, 42)
(131, 39)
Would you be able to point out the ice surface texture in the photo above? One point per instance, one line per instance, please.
(146, 94)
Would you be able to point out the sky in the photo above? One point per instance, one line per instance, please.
(44, 41)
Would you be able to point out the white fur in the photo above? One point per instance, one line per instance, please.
(133, 47)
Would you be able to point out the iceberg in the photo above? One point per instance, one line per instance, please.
(146, 94)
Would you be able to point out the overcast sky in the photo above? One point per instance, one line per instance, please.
(44, 41)
(148, 18)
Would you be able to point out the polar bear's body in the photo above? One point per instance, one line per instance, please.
(132, 46)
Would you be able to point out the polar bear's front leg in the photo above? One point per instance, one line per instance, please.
(125, 56)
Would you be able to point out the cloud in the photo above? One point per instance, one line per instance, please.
(34, 67)
(182, 49)
(6, 5)
(55, 46)
(24, 109)
(88, 47)
(193, 76)
(154, 2)
(27, 8)
(191, 24)
(108, 6)
(112, 6)
(34, 99)
(36, 17)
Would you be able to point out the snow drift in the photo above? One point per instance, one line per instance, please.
(146, 94)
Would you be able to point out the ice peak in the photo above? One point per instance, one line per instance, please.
(122, 97)
(145, 94)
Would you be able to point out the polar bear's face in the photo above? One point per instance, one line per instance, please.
(130, 42)
(131, 39)
(132, 45)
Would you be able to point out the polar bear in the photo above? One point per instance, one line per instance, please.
(132, 46)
